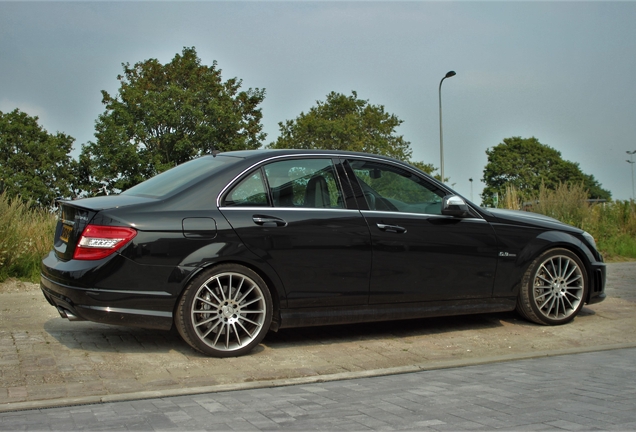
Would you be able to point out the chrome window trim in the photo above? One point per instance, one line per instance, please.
(427, 215)
(325, 156)
(270, 208)
(269, 159)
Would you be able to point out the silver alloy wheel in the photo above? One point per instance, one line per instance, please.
(558, 287)
(228, 311)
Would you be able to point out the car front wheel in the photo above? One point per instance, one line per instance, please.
(553, 288)
(225, 312)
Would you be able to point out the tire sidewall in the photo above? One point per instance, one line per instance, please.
(183, 318)
(529, 306)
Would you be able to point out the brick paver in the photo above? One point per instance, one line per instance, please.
(45, 358)
(590, 391)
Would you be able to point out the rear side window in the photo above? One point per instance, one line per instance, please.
(292, 183)
(304, 183)
(171, 181)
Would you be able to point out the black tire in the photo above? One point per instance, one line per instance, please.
(554, 288)
(225, 311)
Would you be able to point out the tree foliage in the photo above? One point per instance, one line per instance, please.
(165, 115)
(427, 168)
(345, 123)
(34, 165)
(527, 164)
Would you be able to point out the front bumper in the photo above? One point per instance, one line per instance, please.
(598, 278)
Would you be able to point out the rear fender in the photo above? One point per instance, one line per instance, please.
(234, 253)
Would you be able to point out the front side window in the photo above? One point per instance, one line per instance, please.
(304, 183)
(390, 188)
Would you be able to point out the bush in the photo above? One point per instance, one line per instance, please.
(26, 235)
(613, 224)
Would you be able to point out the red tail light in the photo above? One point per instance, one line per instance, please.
(98, 241)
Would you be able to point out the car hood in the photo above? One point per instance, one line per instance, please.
(518, 217)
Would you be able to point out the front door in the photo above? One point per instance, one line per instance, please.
(418, 253)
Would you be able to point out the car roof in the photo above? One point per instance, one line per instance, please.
(262, 153)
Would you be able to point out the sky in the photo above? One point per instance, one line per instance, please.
(562, 72)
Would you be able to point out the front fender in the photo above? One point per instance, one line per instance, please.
(513, 263)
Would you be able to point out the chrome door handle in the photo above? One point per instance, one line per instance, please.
(268, 221)
(392, 228)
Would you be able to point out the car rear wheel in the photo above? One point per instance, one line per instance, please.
(225, 312)
(553, 288)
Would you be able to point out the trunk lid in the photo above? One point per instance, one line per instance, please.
(74, 216)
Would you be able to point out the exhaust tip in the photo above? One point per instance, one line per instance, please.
(65, 313)
(62, 312)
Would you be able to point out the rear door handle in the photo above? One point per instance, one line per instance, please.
(268, 221)
(391, 228)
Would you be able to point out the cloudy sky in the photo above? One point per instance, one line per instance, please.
(563, 72)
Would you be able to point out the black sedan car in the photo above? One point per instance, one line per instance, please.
(230, 246)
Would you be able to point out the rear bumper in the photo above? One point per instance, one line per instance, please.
(97, 305)
(111, 291)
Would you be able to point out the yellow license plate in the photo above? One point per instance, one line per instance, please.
(66, 233)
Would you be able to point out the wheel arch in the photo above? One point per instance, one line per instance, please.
(274, 284)
(510, 269)
(548, 240)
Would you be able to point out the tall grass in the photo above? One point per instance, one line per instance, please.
(614, 227)
(613, 224)
(26, 235)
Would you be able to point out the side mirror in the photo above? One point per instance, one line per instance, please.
(452, 205)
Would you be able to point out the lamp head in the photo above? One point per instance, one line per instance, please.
(450, 74)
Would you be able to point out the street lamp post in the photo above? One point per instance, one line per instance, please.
(441, 136)
(471, 188)
(631, 162)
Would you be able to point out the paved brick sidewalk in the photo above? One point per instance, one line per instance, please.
(591, 391)
(45, 360)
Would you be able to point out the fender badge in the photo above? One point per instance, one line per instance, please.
(507, 254)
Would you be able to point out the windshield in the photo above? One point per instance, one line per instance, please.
(174, 179)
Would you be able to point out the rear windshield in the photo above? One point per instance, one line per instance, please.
(183, 175)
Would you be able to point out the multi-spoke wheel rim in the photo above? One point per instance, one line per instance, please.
(558, 287)
(228, 311)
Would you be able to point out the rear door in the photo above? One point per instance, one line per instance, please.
(295, 215)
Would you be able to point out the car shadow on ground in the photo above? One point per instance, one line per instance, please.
(389, 329)
(104, 338)
(96, 337)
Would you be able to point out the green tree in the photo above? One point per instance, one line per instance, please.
(34, 165)
(165, 115)
(526, 164)
(427, 168)
(345, 123)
